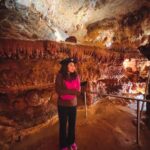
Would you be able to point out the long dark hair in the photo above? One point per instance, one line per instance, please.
(64, 71)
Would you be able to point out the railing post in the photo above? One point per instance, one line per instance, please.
(138, 123)
(146, 92)
(85, 102)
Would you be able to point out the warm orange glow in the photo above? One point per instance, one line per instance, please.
(130, 63)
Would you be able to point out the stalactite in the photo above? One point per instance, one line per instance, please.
(38, 49)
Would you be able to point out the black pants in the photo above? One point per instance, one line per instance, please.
(66, 135)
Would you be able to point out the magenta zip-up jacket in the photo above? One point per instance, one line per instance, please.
(71, 85)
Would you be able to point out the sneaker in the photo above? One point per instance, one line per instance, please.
(66, 148)
(74, 146)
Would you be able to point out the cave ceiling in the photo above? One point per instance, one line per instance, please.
(96, 22)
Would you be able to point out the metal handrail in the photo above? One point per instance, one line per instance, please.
(128, 98)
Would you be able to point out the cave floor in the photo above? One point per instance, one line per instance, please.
(108, 126)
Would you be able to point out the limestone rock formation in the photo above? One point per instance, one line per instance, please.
(93, 21)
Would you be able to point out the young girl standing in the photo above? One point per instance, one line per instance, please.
(67, 87)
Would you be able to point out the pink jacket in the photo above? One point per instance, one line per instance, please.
(74, 85)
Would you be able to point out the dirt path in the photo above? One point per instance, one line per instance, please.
(107, 127)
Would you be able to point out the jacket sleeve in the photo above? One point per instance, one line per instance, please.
(61, 88)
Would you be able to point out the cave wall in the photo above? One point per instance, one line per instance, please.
(28, 65)
(27, 75)
(28, 70)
